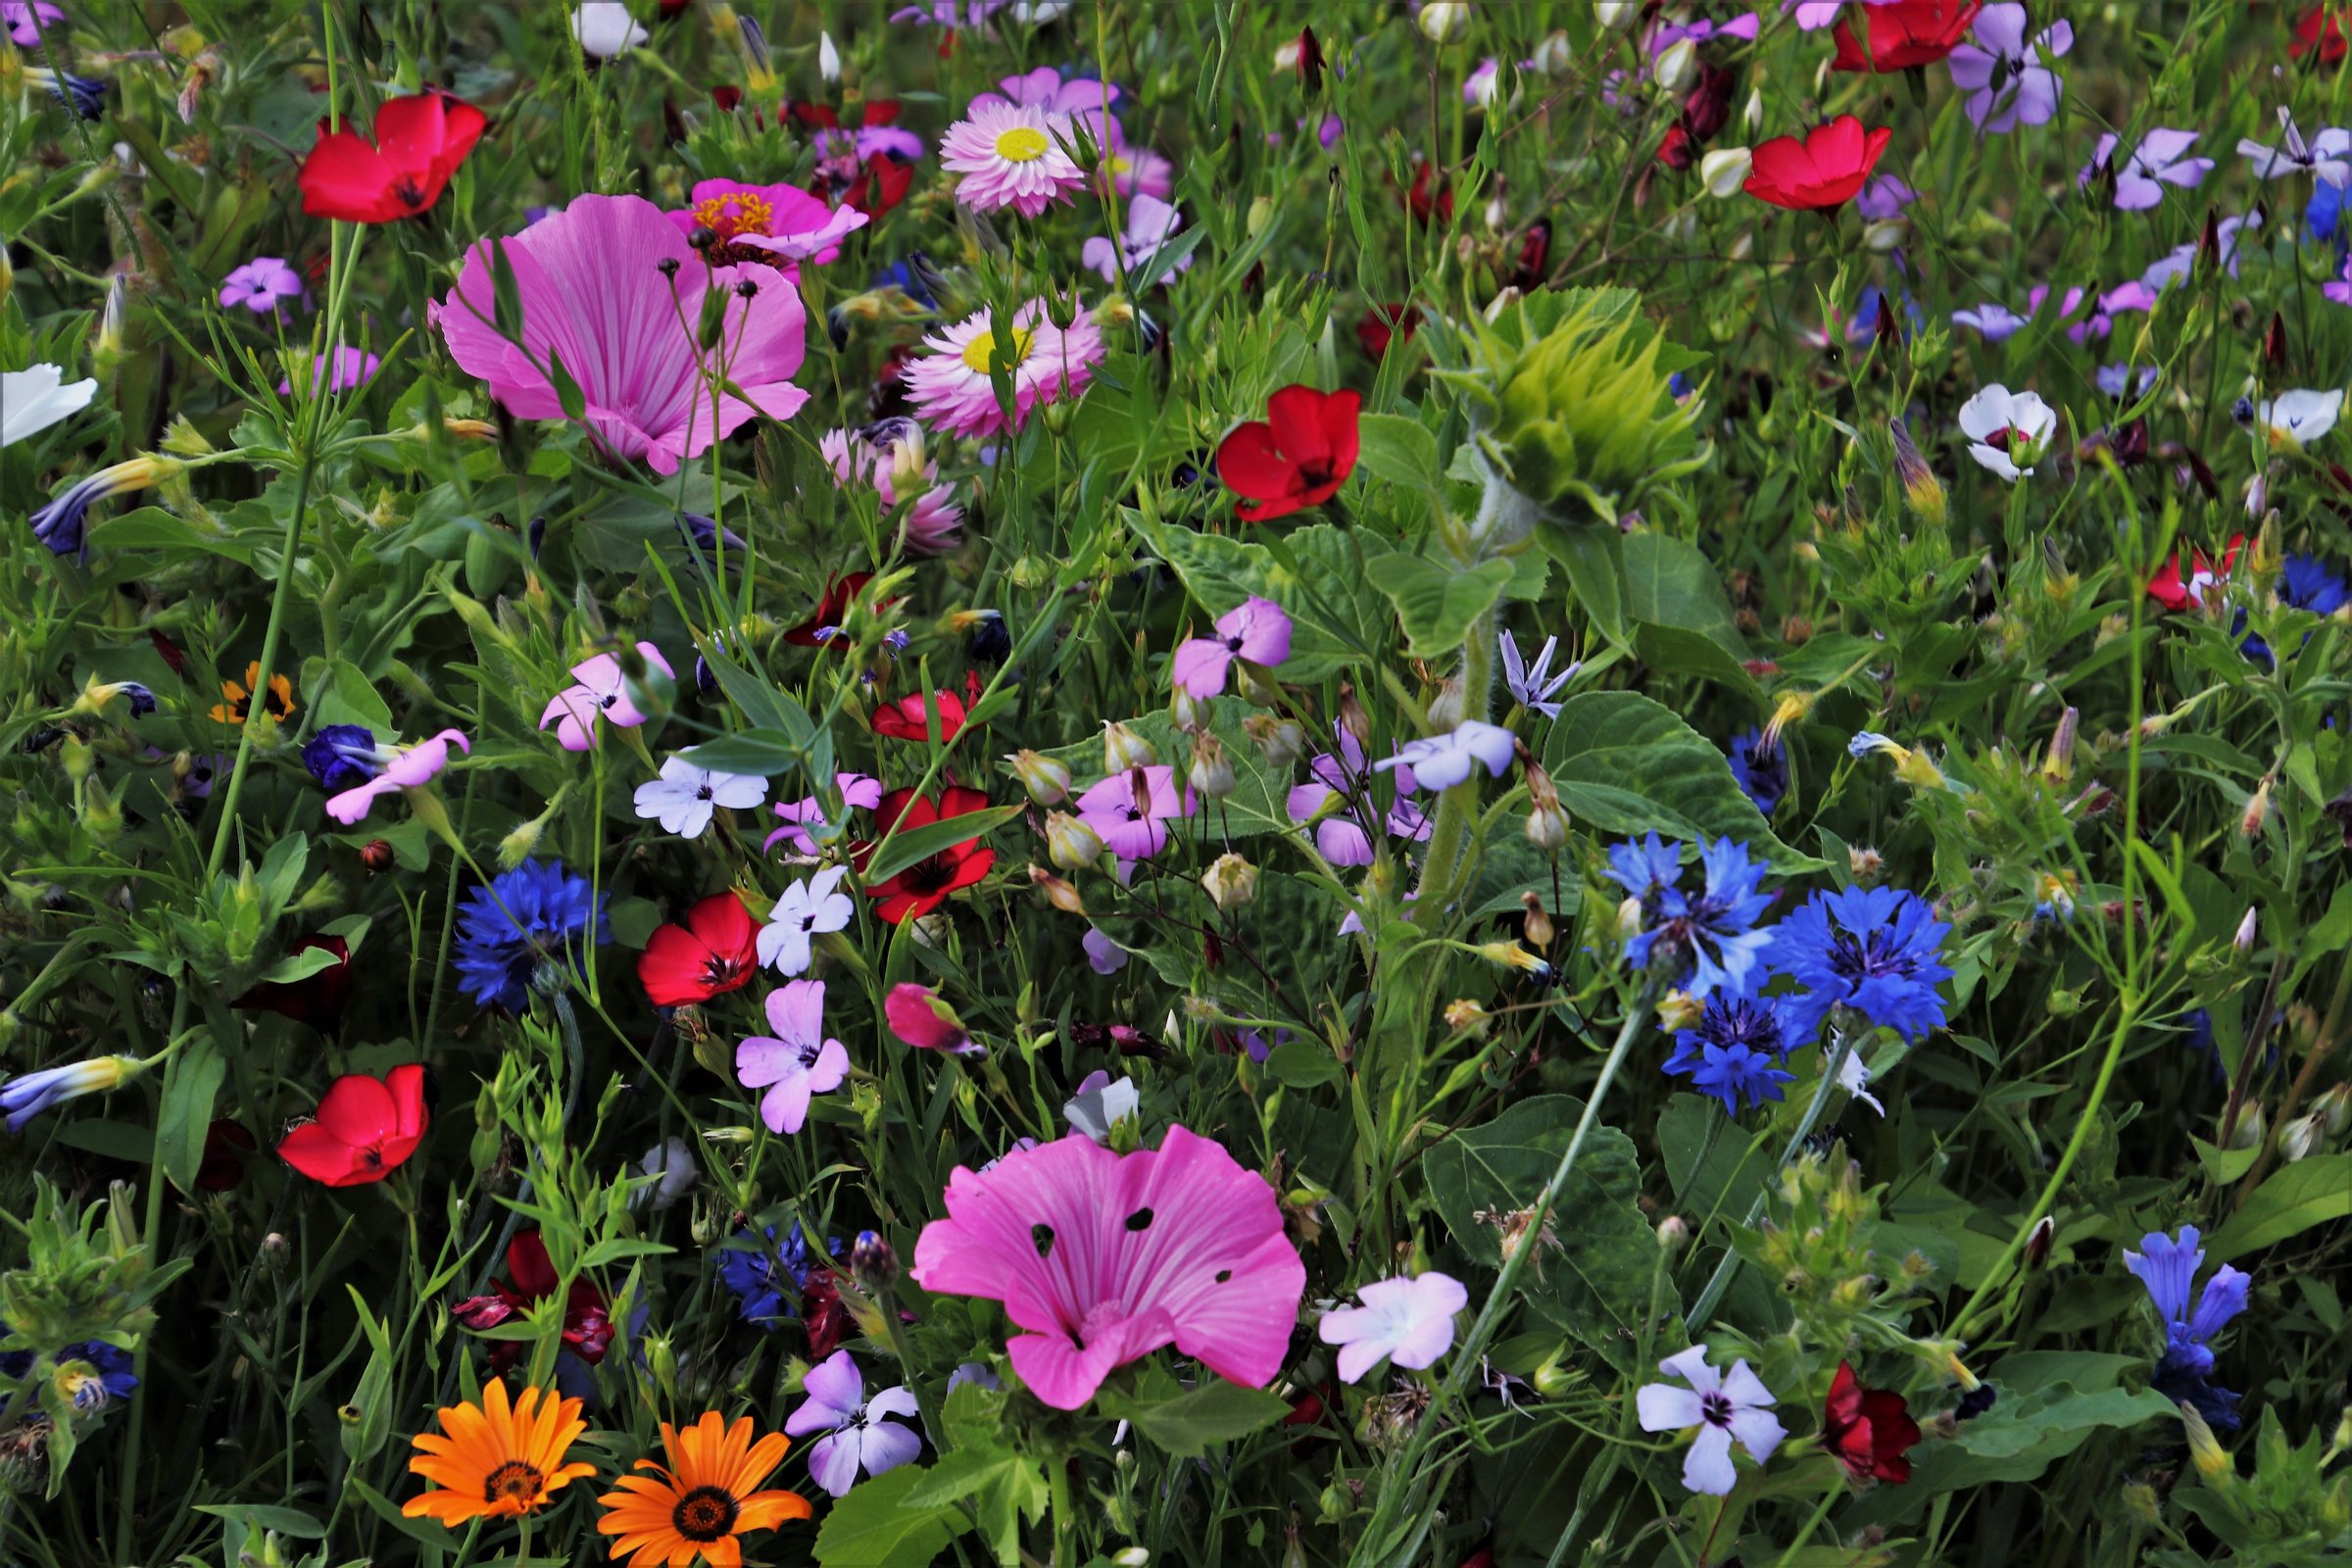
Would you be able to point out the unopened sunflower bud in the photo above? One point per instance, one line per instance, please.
(2301, 1138)
(2258, 810)
(1070, 844)
(1045, 778)
(1536, 924)
(2038, 1241)
(1059, 892)
(1231, 881)
(1281, 740)
(1124, 749)
(1212, 770)
(1466, 1016)
(1724, 171)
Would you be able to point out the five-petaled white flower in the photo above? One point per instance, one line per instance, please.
(2007, 431)
(1726, 1407)
(1440, 762)
(1410, 1321)
(685, 794)
(2295, 419)
(807, 909)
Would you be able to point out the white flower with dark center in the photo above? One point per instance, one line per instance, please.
(2007, 431)
(807, 909)
(685, 795)
(1726, 1408)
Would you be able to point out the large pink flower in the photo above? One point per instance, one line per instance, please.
(1106, 1257)
(595, 296)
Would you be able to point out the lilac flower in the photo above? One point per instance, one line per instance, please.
(1726, 1408)
(2177, 264)
(1151, 225)
(1102, 955)
(1735, 1051)
(686, 795)
(2339, 288)
(2159, 160)
(261, 286)
(24, 20)
(1407, 1321)
(1883, 198)
(1814, 15)
(1256, 630)
(798, 1062)
(1534, 688)
(1048, 89)
(857, 1437)
(1129, 812)
(1440, 762)
(2116, 381)
(353, 367)
(2006, 83)
(2326, 157)
(1342, 836)
(1102, 1105)
(1997, 323)
(2192, 1316)
(952, 16)
(411, 769)
(807, 909)
(1713, 931)
(858, 792)
(1700, 31)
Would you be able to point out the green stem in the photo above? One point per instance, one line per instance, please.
(1058, 1477)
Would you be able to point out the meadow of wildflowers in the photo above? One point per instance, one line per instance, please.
(1394, 784)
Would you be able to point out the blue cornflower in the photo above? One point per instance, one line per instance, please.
(1645, 868)
(1878, 951)
(2192, 1316)
(767, 1276)
(1735, 1053)
(1762, 773)
(341, 756)
(2179, 1379)
(2304, 583)
(532, 917)
(1712, 930)
(2324, 219)
(912, 277)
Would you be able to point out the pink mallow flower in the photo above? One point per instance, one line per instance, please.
(420, 765)
(781, 225)
(1011, 156)
(1104, 1259)
(597, 295)
(1255, 631)
(1129, 812)
(602, 691)
(889, 455)
(922, 1018)
(950, 386)
(1726, 1408)
(797, 1063)
(1409, 1321)
(1151, 225)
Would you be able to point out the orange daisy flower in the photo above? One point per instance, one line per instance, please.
(707, 1496)
(277, 701)
(496, 1461)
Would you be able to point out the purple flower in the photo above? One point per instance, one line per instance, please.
(261, 286)
(2159, 160)
(1129, 812)
(858, 791)
(2006, 83)
(1048, 89)
(2326, 157)
(1882, 198)
(1814, 15)
(24, 20)
(1726, 1408)
(1151, 225)
(1440, 762)
(1534, 687)
(1256, 630)
(2116, 380)
(857, 1437)
(798, 1062)
(951, 15)
(1997, 322)
(1102, 955)
(2181, 260)
(2192, 1316)
(1702, 30)
(1342, 835)
(353, 367)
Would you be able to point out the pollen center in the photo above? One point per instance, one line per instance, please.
(982, 350)
(735, 213)
(512, 1481)
(1022, 144)
(705, 1514)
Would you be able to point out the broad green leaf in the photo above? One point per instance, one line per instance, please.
(1217, 1411)
(1397, 449)
(339, 694)
(1436, 603)
(1625, 764)
(875, 1527)
(191, 1080)
(1339, 619)
(1304, 1062)
(1590, 556)
(1004, 1486)
(2290, 1200)
(261, 1516)
(904, 849)
(1595, 1284)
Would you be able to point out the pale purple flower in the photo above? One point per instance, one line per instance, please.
(1102, 1105)
(353, 367)
(1726, 1407)
(2160, 159)
(2340, 289)
(798, 1062)
(1997, 322)
(2177, 264)
(1407, 1321)
(1102, 955)
(1440, 762)
(858, 792)
(261, 286)
(1700, 31)
(2116, 381)
(1151, 225)
(2002, 74)
(602, 691)
(1048, 89)
(1129, 812)
(1814, 15)
(2326, 157)
(807, 909)
(686, 794)
(858, 1440)
(1342, 837)
(1534, 687)
(24, 20)
(1255, 630)
(1479, 86)
(1882, 198)
(420, 765)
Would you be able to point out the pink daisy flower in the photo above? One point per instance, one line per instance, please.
(950, 386)
(779, 224)
(1008, 156)
(1104, 1258)
(894, 450)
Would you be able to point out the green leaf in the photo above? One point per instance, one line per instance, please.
(1398, 449)
(191, 1080)
(1004, 1487)
(1338, 618)
(765, 752)
(261, 1516)
(1590, 556)
(1595, 1282)
(2290, 1200)
(875, 1527)
(1625, 764)
(1304, 1062)
(904, 849)
(340, 694)
(1437, 604)
(1217, 1411)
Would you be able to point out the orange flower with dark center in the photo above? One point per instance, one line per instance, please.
(707, 1497)
(496, 1461)
(277, 701)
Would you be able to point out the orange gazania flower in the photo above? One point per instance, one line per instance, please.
(496, 1461)
(708, 1495)
(277, 701)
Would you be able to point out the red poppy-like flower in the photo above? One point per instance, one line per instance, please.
(883, 185)
(531, 1277)
(2321, 32)
(716, 951)
(420, 142)
(823, 1314)
(365, 1128)
(226, 1146)
(1296, 457)
(1394, 322)
(1430, 200)
(2182, 582)
(316, 999)
(1904, 33)
(1676, 149)
(831, 610)
(1535, 257)
(925, 885)
(1867, 1429)
(909, 718)
(1821, 171)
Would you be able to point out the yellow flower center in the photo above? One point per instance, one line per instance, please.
(981, 351)
(1021, 144)
(512, 1481)
(736, 213)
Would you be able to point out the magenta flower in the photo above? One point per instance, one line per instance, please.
(602, 691)
(353, 368)
(1134, 169)
(922, 1018)
(779, 224)
(1255, 630)
(420, 765)
(2160, 159)
(950, 386)
(1104, 1258)
(1046, 88)
(798, 1062)
(1129, 812)
(2002, 73)
(261, 285)
(597, 296)
(24, 20)
(858, 792)
(1011, 156)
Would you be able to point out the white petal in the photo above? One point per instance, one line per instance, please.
(1707, 1467)
(1666, 1409)
(1759, 1432)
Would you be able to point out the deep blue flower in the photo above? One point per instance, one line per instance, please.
(912, 277)
(1763, 775)
(2304, 583)
(1878, 951)
(991, 642)
(140, 698)
(110, 1377)
(2324, 219)
(532, 917)
(765, 1276)
(703, 535)
(341, 756)
(84, 95)
(2192, 1316)
(1645, 868)
(1735, 1053)
(1713, 930)
(2180, 1379)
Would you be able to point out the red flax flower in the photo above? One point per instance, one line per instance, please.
(420, 142)
(1296, 457)
(531, 1277)
(1867, 1429)
(1904, 34)
(925, 885)
(2321, 32)
(833, 609)
(1822, 171)
(909, 718)
(716, 951)
(364, 1130)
